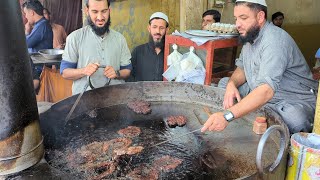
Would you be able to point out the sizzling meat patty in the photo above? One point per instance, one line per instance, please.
(143, 172)
(173, 121)
(139, 106)
(130, 131)
(166, 163)
(118, 146)
(134, 150)
(92, 160)
(119, 158)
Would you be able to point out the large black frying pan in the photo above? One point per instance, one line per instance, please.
(102, 112)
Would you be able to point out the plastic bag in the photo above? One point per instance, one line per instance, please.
(175, 56)
(174, 64)
(191, 69)
(192, 61)
(172, 72)
(196, 76)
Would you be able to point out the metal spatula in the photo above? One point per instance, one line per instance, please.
(80, 95)
(76, 103)
(177, 137)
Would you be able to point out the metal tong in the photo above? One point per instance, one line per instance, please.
(80, 95)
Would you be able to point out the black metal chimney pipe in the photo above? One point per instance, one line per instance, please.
(20, 137)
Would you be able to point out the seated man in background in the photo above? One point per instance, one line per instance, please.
(59, 33)
(277, 19)
(91, 46)
(147, 59)
(223, 57)
(209, 17)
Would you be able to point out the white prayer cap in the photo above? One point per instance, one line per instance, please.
(261, 2)
(318, 54)
(159, 15)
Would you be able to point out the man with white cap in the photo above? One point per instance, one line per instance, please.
(96, 51)
(147, 59)
(271, 71)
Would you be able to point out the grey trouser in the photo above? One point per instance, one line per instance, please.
(298, 115)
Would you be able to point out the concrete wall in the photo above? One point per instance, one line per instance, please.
(131, 17)
(297, 12)
(191, 13)
(307, 37)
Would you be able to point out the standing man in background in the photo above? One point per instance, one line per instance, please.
(91, 46)
(38, 32)
(59, 33)
(147, 59)
(209, 17)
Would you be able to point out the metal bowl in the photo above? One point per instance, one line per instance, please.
(51, 53)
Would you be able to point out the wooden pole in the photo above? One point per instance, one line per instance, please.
(84, 16)
(316, 127)
(191, 13)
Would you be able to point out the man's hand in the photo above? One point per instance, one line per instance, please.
(216, 122)
(110, 73)
(61, 46)
(90, 69)
(27, 28)
(231, 93)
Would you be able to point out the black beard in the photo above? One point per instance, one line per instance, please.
(99, 30)
(252, 34)
(157, 44)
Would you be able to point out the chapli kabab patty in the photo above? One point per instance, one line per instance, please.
(139, 106)
(174, 121)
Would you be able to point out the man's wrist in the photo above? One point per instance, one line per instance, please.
(118, 74)
(231, 82)
(228, 115)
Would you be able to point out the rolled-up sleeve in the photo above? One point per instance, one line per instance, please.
(66, 64)
(239, 61)
(274, 61)
(70, 55)
(125, 55)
